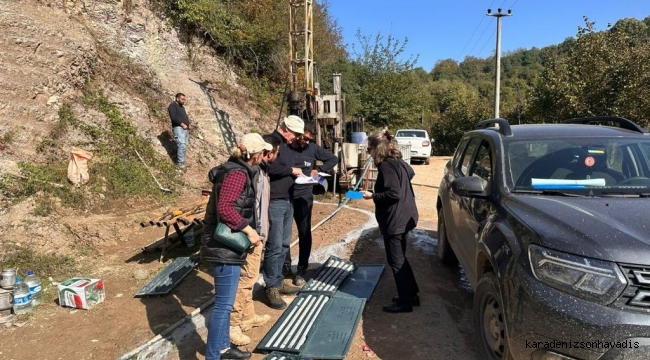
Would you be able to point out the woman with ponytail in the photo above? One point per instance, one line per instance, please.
(396, 215)
(232, 202)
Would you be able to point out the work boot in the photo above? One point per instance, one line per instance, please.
(274, 299)
(299, 280)
(286, 271)
(237, 337)
(257, 320)
(289, 289)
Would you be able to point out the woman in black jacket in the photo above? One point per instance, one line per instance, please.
(396, 215)
(232, 202)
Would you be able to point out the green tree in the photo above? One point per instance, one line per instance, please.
(388, 87)
(605, 73)
(455, 107)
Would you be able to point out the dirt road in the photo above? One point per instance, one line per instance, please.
(440, 328)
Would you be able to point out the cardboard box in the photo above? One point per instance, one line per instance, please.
(81, 293)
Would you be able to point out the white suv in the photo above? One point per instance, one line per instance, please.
(419, 141)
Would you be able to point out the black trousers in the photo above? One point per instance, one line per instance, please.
(407, 287)
(302, 208)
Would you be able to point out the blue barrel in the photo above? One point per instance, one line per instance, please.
(359, 137)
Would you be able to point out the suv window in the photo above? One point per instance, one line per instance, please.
(594, 162)
(411, 133)
(483, 164)
(459, 150)
(466, 160)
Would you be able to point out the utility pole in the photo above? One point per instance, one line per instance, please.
(497, 79)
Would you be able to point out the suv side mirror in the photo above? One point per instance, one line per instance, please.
(470, 186)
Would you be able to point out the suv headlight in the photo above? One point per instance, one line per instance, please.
(591, 279)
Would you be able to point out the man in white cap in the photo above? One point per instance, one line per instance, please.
(282, 173)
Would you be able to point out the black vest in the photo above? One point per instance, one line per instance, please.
(245, 206)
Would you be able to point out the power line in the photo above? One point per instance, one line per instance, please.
(473, 33)
(479, 39)
(493, 32)
(486, 42)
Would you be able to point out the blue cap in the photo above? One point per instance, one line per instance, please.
(18, 280)
(30, 272)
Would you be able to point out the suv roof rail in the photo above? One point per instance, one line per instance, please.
(623, 123)
(504, 126)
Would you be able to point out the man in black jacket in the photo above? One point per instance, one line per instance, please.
(180, 127)
(306, 153)
(282, 174)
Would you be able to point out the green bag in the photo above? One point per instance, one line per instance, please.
(235, 240)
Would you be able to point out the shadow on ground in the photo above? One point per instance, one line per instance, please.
(165, 311)
(441, 327)
(222, 117)
(167, 141)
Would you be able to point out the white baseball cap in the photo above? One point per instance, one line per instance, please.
(254, 143)
(295, 124)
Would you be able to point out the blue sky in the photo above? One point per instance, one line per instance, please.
(454, 29)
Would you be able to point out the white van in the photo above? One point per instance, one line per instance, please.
(419, 141)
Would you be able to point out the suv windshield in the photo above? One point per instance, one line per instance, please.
(410, 133)
(601, 165)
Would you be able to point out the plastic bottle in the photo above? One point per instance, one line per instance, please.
(35, 289)
(22, 298)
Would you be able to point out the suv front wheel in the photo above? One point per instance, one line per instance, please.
(489, 320)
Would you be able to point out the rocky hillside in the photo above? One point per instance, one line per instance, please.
(70, 71)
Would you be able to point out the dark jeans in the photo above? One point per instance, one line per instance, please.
(302, 208)
(277, 244)
(407, 287)
(226, 280)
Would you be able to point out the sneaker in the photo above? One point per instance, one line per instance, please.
(237, 337)
(299, 280)
(257, 320)
(274, 299)
(289, 289)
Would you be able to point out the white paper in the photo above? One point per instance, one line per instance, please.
(311, 180)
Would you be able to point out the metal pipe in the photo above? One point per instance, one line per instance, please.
(284, 323)
(296, 321)
(347, 270)
(311, 317)
(325, 275)
(289, 322)
(328, 275)
(334, 275)
(337, 268)
(311, 323)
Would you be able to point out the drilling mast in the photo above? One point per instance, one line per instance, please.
(302, 97)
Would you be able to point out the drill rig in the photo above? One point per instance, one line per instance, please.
(326, 112)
